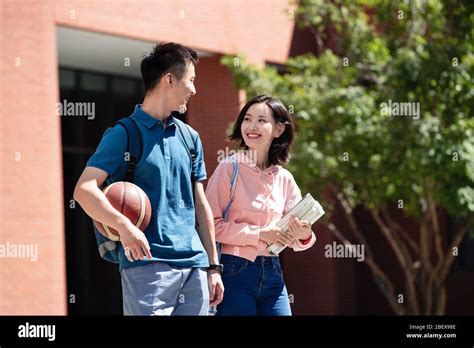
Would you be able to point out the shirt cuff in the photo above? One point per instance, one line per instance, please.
(252, 235)
(303, 245)
(306, 241)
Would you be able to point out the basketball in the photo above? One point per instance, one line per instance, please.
(131, 201)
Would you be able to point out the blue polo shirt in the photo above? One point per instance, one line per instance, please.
(163, 172)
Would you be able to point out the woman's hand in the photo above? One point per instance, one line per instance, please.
(299, 229)
(273, 235)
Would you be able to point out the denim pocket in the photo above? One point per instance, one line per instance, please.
(233, 265)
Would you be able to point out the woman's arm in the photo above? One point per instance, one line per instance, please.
(300, 231)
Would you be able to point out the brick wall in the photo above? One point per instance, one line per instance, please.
(31, 186)
(214, 108)
(260, 28)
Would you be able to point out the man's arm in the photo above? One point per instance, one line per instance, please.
(97, 206)
(208, 239)
(206, 223)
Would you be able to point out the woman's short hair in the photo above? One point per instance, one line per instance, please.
(279, 152)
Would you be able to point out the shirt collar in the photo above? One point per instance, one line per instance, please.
(147, 120)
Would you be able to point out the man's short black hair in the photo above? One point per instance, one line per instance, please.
(279, 152)
(166, 58)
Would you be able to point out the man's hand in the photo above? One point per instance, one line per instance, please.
(216, 287)
(134, 242)
(96, 205)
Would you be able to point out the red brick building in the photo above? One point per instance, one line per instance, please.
(90, 51)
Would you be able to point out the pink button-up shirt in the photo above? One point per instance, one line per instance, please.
(261, 198)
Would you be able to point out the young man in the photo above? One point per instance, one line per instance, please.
(170, 269)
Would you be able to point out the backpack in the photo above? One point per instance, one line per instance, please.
(233, 186)
(108, 249)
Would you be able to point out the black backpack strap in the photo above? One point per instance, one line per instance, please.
(189, 143)
(134, 145)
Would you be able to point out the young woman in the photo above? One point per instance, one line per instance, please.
(264, 192)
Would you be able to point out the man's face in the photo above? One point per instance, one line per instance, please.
(183, 89)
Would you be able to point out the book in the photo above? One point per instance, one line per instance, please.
(307, 209)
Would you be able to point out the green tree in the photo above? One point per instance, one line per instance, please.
(354, 143)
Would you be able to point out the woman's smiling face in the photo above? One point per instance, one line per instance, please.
(259, 127)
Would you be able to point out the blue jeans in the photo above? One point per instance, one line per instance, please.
(253, 288)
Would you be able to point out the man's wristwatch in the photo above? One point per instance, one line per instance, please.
(219, 268)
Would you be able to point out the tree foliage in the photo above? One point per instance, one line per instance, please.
(404, 52)
(384, 114)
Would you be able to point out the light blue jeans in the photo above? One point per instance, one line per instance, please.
(161, 289)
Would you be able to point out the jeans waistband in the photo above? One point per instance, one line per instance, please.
(273, 261)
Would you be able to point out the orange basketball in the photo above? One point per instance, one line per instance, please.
(131, 201)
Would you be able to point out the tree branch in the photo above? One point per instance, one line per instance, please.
(441, 304)
(425, 258)
(350, 218)
(338, 234)
(439, 254)
(437, 232)
(381, 279)
(402, 256)
(401, 231)
(458, 236)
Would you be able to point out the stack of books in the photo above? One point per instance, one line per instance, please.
(307, 209)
